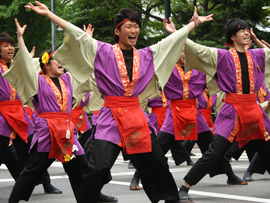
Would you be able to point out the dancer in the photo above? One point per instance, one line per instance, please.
(55, 134)
(239, 73)
(121, 111)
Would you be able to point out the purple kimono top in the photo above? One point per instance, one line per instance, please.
(202, 102)
(5, 96)
(174, 90)
(48, 103)
(219, 64)
(99, 57)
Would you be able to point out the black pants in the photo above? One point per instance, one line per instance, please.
(204, 140)
(37, 165)
(216, 151)
(22, 150)
(9, 156)
(189, 144)
(83, 137)
(235, 152)
(156, 178)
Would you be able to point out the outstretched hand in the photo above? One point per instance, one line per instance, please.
(89, 30)
(20, 30)
(41, 9)
(203, 19)
(266, 43)
(169, 27)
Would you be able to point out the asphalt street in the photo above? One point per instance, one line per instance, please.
(208, 190)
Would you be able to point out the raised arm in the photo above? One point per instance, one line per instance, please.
(42, 9)
(256, 40)
(20, 32)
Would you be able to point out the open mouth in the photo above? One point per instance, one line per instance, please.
(10, 53)
(132, 38)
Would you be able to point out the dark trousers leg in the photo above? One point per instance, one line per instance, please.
(25, 184)
(22, 150)
(84, 137)
(75, 169)
(156, 178)
(189, 144)
(263, 149)
(9, 156)
(102, 157)
(167, 141)
(256, 165)
(222, 166)
(209, 159)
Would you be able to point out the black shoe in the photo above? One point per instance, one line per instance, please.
(50, 189)
(106, 199)
(192, 154)
(190, 162)
(247, 176)
(234, 180)
(183, 193)
(130, 165)
(134, 184)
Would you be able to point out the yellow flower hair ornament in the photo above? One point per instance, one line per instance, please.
(45, 58)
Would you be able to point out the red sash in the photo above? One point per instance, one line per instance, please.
(59, 123)
(184, 119)
(28, 111)
(206, 113)
(132, 124)
(78, 118)
(160, 113)
(13, 113)
(96, 113)
(250, 124)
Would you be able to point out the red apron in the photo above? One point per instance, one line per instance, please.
(13, 113)
(132, 124)
(160, 113)
(96, 113)
(61, 145)
(206, 113)
(184, 119)
(250, 119)
(78, 118)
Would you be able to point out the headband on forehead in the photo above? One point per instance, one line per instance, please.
(45, 58)
(122, 22)
(2, 43)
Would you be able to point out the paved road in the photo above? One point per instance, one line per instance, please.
(206, 191)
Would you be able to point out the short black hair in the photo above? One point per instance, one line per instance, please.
(125, 13)
(49, 51)
(232, 27)
(5, 37)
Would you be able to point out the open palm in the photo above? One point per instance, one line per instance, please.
(41, 9)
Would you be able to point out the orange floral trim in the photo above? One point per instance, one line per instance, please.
(61, 100)
(12, 89)
(185, 77)
(261, 94)
(239, 72)
(209, 100)
(128, 86)
(164, 99)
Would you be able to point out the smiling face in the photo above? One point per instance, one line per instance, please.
(7, 52)
(54, 69)
(128, 34)
(241, 37)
